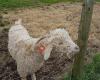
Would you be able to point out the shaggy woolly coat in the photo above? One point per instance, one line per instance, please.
(30, 53)
(20, 47)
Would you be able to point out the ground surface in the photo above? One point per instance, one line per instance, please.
(40, 20)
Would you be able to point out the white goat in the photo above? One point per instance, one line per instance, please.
(30, 53)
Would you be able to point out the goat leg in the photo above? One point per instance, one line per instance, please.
(33, 77)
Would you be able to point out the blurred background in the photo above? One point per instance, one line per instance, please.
(39, 17)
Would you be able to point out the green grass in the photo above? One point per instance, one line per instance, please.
(98, 0)
(17, 3)
(56, 1)
(91, 71)
(28, 3)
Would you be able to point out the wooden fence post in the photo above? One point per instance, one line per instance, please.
(83, 34)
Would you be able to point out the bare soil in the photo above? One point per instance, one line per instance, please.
(40, 20)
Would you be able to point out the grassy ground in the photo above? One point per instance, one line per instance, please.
(23, 3)
(26, 3)
(55, 1)
(98, 0)
(16, 3)
(92, 70)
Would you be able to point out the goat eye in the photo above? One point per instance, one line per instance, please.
(68, 46)
(60, 43)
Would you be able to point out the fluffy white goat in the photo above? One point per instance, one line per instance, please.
(30, 53)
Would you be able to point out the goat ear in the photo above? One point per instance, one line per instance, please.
(47, 52)
(43, 48)
(39, 46)
(19, 21)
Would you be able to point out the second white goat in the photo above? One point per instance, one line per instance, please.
(30, 53)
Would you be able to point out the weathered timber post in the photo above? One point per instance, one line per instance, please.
(83, 34)
(1, 20)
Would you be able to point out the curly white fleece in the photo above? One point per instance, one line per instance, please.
(22, 48)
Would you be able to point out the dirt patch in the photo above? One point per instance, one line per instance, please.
(40, 20)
